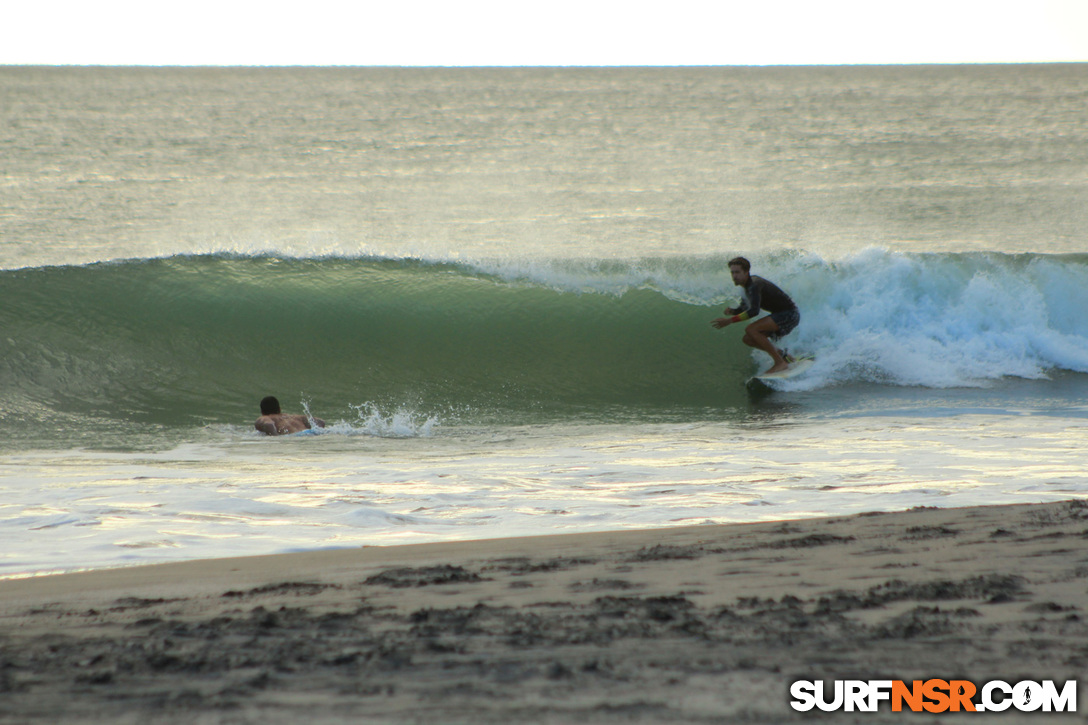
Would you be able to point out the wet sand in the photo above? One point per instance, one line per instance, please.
(703, 624)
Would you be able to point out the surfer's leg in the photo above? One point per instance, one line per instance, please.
(786, 320)
(756, 335)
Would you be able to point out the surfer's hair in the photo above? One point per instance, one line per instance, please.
(742, 263)
(270, 406)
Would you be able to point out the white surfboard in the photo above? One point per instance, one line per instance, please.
(795, 369)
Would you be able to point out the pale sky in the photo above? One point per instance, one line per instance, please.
(548, 32)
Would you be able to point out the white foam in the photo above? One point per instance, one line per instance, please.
(237, 495)
(938, 321)
(372, 420)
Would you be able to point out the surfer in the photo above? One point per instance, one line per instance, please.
(274, 422)
(759, 294)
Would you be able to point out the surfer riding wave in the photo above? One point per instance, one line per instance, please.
(760, 294)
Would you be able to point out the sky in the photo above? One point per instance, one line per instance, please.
(548, 33)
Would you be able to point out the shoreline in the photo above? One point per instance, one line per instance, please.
(689, 624)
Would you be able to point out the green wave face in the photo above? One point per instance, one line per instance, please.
(202, 339)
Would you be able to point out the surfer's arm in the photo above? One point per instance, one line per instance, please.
(750, 307)
(733, 314)
(729, 319)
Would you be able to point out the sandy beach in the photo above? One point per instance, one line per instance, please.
(683, 625)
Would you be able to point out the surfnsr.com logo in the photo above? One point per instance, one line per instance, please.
(934, 696)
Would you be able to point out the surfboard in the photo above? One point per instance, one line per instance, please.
(796, 368)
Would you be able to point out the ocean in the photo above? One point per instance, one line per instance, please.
(496, 286)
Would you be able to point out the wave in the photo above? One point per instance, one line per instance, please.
(195, 339)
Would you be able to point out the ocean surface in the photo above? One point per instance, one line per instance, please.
(496, 285)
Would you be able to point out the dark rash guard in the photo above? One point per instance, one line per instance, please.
(763, 295)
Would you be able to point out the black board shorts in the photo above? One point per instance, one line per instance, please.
(786, 321)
